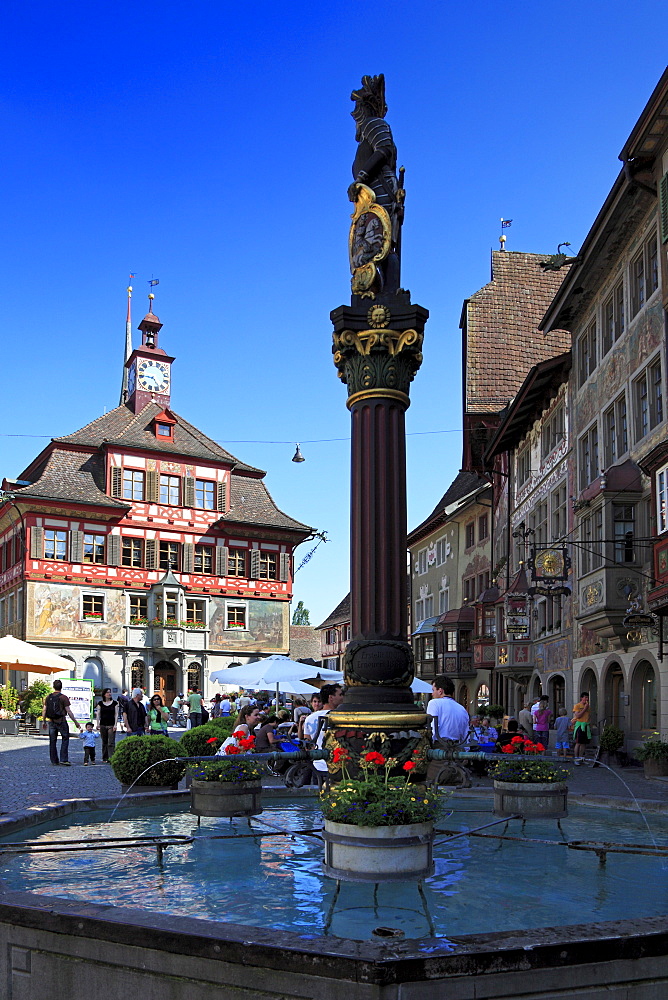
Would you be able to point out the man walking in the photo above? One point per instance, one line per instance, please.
(56, 708)
(450, 721)
(135, 714)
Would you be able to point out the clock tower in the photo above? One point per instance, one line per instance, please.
(149, 368)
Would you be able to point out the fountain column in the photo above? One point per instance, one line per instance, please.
(377, 351)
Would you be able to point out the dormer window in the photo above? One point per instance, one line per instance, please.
(163, 426)
(164, 430)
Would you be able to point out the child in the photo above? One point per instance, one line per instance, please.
(561, 728)
(88, 735)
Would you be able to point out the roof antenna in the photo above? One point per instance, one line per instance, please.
(128, 342)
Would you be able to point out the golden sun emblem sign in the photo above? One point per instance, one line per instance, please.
(378, 317)
(550, 562)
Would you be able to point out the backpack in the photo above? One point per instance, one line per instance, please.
(54, 707)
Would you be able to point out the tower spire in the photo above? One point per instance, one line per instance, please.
(128, 343)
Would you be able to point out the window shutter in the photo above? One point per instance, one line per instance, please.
(254, 565)
(188, 554)
(113, 550)
(151, 547)
(221, 492)
(76, 546)
(36, 543)
(188, 495)
(221, 560)
(116, 481)
(663, 207)
(285, 567)
(152, 486)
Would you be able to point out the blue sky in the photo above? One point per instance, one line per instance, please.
(210, 144)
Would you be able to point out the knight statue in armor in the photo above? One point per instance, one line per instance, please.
(378, 195)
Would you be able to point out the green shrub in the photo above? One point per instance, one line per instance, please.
(33, 697)
(495, 711)
(10, 698)
(195, 742)
(611, 739)
(653, 748)
(524, 770)
(225, 724)
(135, 753)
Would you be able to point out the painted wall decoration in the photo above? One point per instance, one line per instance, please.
(268, 623)
(54, 612)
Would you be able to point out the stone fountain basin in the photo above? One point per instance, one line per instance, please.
(47, 941)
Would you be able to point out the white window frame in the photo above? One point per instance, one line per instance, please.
(441, 551)
(443, 600)
(422, 562)
(97, 597)
(236, 604)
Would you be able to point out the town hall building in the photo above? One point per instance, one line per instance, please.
(141, 550)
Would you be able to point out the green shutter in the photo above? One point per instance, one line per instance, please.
(254, 565)
(76, 546)
(152, 486)
(285, 567)
(221, 491)
(188, 494)
(116, 481)
(113, 550)
(188, 555)
(151, 547)
(221, 560)
(37, 543)
(663, 207)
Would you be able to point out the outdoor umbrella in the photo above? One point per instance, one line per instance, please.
(276, 671)
(18, 655)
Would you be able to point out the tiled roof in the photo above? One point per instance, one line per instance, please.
(304, 643)
(501, 336)
(339, 615)
(462, 486)
(251, 503)
(72, 475)
(122, 427)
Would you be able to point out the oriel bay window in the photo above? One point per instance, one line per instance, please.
(170, 555)
(55, 544)
(236, 562)
(195, 612)
(92, 607)
(203, 559)
(132, 552)
(623, 523)
(591, 541)
(93, 548)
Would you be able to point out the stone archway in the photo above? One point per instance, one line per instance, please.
(557, 693)
(614, 696)
(644, 698)
(589, 683)
(165, 675)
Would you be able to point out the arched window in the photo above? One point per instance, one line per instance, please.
(644, 690)
(615, 700)
(557, 694)
(464, 696)
(93, 672)
(194, 676)
(138, 672)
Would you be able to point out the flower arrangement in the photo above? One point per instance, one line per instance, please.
(524, 766)
(653, 748)
(376, 799)
(94, 616)
(228, 770)
(244, 744)
(139, 620)
(199, 625)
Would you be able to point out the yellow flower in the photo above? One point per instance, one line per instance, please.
(412, 799)
(426, 801)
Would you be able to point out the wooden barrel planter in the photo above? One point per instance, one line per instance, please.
(378, 853)
(539, 799)
(226, 798)
(655, 767)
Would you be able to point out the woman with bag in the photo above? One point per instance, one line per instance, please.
(157, 717)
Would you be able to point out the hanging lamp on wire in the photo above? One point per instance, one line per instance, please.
(298, 457)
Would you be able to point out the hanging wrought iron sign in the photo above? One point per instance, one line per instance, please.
(636, 618)
(549, 565)
(518, 616)
(549, 591)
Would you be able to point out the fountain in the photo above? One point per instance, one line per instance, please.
(154, 901)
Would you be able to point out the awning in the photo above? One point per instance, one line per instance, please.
(426, 626)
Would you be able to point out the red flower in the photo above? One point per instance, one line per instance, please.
(212, 739)
(517, 739)
(232, 749)
(247, 743)
(408, 766)
(373, 757)
(239, 732)
(340, 754)
(539, 747)
(508, 749)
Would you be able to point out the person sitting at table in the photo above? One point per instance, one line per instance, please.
(475, 730)
(505, 738)
(490, 734)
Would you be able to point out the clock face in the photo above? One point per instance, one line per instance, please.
(153, 376)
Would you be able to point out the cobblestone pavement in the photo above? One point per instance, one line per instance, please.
(28, 778)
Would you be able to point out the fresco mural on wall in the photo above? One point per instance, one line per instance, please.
(54, 611)
(267, 630)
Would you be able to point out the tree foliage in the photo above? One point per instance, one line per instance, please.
(300, 615)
